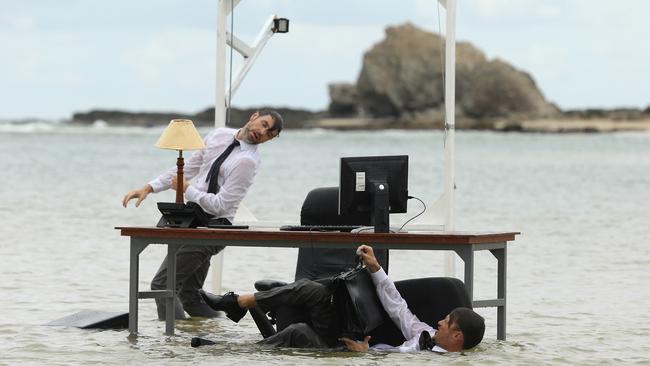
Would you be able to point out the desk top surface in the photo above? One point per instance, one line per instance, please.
(264, 234)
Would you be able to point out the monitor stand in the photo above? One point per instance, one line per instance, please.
(380, 206)
(370, 229)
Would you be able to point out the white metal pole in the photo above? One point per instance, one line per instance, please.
(440, 214)
(450, 111)
(450, 128)
(220, 92)
(224, 8)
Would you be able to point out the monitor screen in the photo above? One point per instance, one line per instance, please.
(375, 184)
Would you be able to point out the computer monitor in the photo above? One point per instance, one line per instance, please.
(375, 184)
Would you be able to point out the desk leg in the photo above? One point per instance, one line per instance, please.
(501, 256)
(137, 246)
(467, 255)
(171, 285)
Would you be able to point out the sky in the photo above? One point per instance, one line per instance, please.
(66, 56)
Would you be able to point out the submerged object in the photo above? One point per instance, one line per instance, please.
(198, 342)
(91, 319)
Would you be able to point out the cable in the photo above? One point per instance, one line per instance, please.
(443, 67)
(412, 218)
(232, 33)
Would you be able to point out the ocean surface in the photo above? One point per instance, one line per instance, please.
(578, 275)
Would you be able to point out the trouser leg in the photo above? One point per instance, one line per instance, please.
(287, 315)
(189, 289)
(192, 264)
(299, 335)
(314, 298)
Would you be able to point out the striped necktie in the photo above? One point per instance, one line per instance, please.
(213, 174)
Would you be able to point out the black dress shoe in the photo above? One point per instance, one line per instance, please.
(226, 302)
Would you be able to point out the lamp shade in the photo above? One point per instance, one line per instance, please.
(180, 135)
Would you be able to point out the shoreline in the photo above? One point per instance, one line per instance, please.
(590, 120)
(550, 125)
(585, 125)
(573, 125)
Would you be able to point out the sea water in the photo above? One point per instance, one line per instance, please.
(578, 274)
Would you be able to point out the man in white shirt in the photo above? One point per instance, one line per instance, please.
(461, 329)
(224, 172)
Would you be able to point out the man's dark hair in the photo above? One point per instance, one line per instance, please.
(471, 324)
(277, 119)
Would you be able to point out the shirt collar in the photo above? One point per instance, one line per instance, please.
(243, 145)
(438, 349)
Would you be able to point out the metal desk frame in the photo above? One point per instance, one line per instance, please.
(464, 244)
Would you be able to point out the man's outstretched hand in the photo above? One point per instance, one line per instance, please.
(140, 194)
(368, 256)
(356, 346)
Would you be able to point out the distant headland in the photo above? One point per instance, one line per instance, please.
(400, 86)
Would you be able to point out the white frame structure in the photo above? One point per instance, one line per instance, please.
(250, 53)
(440, 216)
(225, 92)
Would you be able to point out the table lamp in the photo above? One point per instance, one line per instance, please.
(180, 135)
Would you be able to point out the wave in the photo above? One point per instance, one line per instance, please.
(63, 126)
(26, 126)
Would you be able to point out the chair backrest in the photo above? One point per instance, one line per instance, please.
(321, 208)
(430, 299)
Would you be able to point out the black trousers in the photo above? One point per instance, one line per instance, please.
(192, 265)
(312, 302)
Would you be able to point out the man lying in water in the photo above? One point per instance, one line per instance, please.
(459, 330)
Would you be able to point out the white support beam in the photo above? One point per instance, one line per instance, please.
(265, 33)
(238, 45)
(250, 53)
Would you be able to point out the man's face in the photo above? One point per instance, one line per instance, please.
(448, 334)
(258, 129)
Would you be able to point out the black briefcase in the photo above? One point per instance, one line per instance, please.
(357, 303)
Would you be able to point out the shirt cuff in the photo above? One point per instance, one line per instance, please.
(378, 276)
(157, 185)
(192, 194)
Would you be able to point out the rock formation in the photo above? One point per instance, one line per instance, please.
(403, 77)
(344, 101)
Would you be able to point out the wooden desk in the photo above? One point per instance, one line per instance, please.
(463, 243)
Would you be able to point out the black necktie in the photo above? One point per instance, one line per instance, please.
(213, 174)
(425, 342)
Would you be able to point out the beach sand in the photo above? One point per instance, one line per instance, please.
(578, 125)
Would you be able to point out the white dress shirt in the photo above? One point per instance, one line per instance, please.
(400, 314)
(236, 174)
